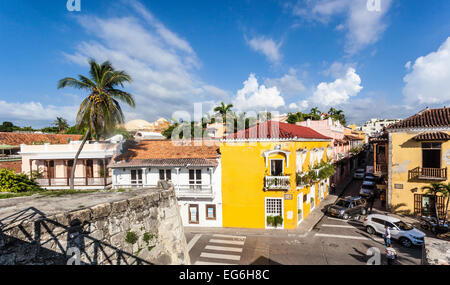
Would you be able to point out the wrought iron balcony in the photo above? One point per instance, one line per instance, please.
(277, 182)
(420, 173)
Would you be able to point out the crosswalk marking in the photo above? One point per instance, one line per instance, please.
(220, 256)
(223, 248)
(193, 241)
(228, 236)
(222, 241)
(211, 263)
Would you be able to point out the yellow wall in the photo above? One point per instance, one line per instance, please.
(407, 155)
(243, 172)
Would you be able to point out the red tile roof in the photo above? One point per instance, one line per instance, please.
(17, 139)
(277, 130)
(428, 118)
(166, 153)
(432, 136)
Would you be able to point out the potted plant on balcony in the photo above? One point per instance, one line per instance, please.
(274, 221)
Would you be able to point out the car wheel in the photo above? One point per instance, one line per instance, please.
(405, 242)
(345, 216)
(370, 230)
(363, 211)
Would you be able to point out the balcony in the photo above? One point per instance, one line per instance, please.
(419, 173)
(79, 182)
(194, 191)
(277, 183)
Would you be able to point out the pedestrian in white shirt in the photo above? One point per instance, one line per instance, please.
(387, 235)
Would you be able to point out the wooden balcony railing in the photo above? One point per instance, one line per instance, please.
(428, 173)
(380, 168)
(277, 182)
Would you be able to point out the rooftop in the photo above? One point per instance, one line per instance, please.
(278, 130)
(16, 139)
(428, 118)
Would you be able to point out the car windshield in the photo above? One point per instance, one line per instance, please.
(342, 203)
(403, 226)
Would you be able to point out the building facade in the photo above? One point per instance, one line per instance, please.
(193, 168)
(417, 151)
(259, 175)
(375, 126)
(52, 164)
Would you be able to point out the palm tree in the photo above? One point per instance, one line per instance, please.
(223, 109)
(434, 189)
(100, 111)
(446, 193)
(61, 124)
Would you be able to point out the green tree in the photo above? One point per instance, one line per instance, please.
(7, 127)
(100, 111)
(223, 110)
(435, 189)
(446, 193)
(61, 124)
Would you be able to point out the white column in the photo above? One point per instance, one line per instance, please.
(144, 177)
(178, 178)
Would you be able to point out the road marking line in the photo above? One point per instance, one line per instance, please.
(338, 226)
(211, 263)
(227, 241)
(220, 256)
(229, 236)
(345, 221)
(348, 237)
(193, 241)
(223, 248)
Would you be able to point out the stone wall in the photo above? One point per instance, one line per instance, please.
(145, 229)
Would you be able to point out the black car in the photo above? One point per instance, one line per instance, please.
(347, 207)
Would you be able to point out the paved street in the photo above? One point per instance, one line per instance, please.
(332, 241)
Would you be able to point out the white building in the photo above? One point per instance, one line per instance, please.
(375, 126)
(195, 172)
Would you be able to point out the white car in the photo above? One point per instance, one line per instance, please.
(406, 234)
(359, 173)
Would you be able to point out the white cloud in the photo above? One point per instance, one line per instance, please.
(255, 97)
(288, 83)
(23, 113)
(363, 27)
(338, 69)
(300, 106)
(428, 81)
(339, 91)
(162, 64)
(267, 47)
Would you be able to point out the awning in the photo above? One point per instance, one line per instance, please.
(432, 136)
(7, 146)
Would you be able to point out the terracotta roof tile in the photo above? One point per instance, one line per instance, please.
(428, 118)
(432, 136)
(277, 130)
(166, 153)
(17, 139)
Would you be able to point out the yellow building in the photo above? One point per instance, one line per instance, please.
(259, 175)
(417, 154)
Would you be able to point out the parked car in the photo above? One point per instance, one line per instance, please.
(369, 174)
(430, 223)
(347, 207)
(405, 233)
(359, 173)
(367, 189)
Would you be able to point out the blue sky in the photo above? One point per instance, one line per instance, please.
(280, 56)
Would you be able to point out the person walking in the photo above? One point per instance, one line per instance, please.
(391, 254)
(387, 235)
(371, 202)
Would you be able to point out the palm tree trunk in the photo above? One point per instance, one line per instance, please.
(446, 209)
(436, 209)
(72, 175)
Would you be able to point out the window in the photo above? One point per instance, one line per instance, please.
(195, 178)
(210, 212)
(89, 168)
(378, 221)
(273, 207)
(193, 214)
(431, 155)
(276, 167)
(165, 174)
(136, 177)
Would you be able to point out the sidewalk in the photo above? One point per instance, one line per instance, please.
(317, 214)
(301, 231)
